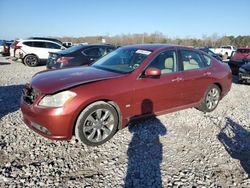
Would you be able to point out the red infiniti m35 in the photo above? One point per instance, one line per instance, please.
(133, 81)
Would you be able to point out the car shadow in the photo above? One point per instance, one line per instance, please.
(236, 141)
(4, 63)
(9, 99)
(145, 151)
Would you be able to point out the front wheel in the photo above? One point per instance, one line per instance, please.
(96, 124)
(211, 99)
(31, 60)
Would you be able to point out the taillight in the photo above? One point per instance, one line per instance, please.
(64, 60)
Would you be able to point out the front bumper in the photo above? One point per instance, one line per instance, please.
(52, 123)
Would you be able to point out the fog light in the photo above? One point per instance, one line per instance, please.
(40, 128)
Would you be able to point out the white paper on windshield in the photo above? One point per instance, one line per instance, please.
(145, 52)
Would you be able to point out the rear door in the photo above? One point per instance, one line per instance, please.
(196, 76)
(38, 48)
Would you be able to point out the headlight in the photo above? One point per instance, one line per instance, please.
(57, 100)
(242, 70)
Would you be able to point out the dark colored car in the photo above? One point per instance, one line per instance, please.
(78, 55)
(131, 82)
(209, 52)
(235, 65)
(244, 73)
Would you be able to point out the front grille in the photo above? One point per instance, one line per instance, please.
(29, 95)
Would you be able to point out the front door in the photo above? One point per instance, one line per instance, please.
(153, 95)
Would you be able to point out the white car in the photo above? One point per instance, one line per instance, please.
(33, 51)
(226, 51)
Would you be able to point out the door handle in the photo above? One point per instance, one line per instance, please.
(177, 79)
(207, 74)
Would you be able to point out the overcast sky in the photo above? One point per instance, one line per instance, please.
(75, 18)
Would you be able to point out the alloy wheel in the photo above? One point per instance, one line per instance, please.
(31, 61)
(212, 98)
(98, 125)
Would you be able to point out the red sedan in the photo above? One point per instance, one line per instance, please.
(130, 82)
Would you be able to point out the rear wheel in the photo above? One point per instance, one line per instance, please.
(31, 60)
(96, 124)
(211, 99)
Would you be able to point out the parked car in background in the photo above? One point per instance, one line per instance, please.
(209, 52)
(34, 51)
(78, 55)
(239, 59)
(131, 82)
(235, 65)
(244, 73)
(5, 47)
(241, 54)
(224, 51)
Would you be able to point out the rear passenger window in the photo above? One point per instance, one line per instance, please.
(208, 60)
(102, 51)
(191, 60)
(110, 50)
(28, 44)
(92, 52)
(166, 62)
(39, 44)
(52, 45)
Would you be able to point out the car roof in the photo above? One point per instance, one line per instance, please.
(96, 45)
(153, 47)
(38, 40)
(46, 38)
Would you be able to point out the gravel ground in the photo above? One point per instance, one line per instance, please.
(186, 148)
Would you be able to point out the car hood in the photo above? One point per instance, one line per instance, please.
(48, 82)
(246, 66)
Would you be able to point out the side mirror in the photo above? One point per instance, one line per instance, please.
(152, 73)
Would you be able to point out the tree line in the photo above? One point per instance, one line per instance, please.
(124, 39)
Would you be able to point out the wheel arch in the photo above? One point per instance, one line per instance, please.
(220, 86)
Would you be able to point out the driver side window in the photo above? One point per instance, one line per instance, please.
(166, 62)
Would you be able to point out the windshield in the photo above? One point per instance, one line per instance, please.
(123, 60)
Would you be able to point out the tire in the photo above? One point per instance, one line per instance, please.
(31, 60)
(211, 99)
(240, 81)
(96, 124)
